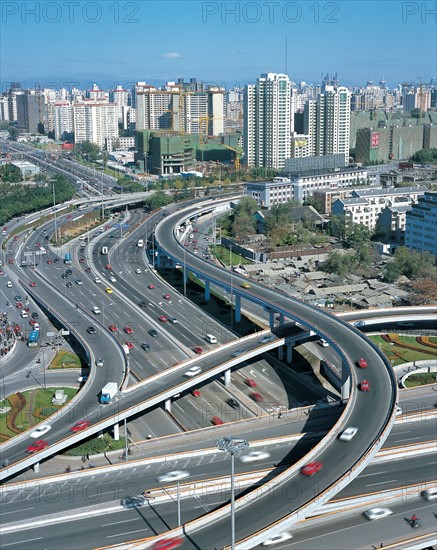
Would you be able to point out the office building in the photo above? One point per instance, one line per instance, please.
(421, 225)
(268, 121)
(30, 111)
(365, 205)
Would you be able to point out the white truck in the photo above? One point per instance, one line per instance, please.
(108, 392)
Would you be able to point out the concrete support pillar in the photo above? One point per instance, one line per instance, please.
(35, 467)
(281, 320)
(207, 291)
(281, 353)
(272, 319)
(289, 353)
(100, 434)
(345, 384)
(227, 377)
(116, 430)
(237, 308)
(167, 405)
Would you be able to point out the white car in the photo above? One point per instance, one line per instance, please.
(138, 270)
(176, 475)
(254, 456)
(173, 320)
(40, 430)
(112, 279)
(96, 310)
(323, 343)
(377, 513)
(97, 280)
(348, 434)
(193, 371)
(278, 538)
(99, 362)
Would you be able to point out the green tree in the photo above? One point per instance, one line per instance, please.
(88, 150)
(10, 174)
(243, 226)
(358, 236)
(158, 199)
(247, 206)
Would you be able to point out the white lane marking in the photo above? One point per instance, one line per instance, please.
(381, 483)
(21, 542)
(375, 474)
(15, 511)
(128, 533)
(411, 439)
(117, 522)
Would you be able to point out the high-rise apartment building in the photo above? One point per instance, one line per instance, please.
(187, 112)
(94, 121)
(62, 119)
(327, 122)
(267, 121)
(120, 97)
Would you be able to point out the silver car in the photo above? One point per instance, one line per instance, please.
(377, 513)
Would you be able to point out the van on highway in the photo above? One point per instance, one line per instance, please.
(211, 339)
(104, 249)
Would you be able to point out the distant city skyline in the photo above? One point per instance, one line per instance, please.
(228, 43)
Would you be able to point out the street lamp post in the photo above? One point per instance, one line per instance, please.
(54, 212)
(232, 446)
(184, 276)
(230, 271)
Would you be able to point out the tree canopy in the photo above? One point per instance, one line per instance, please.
(18, 199)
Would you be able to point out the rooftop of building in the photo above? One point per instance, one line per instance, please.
(392, 191)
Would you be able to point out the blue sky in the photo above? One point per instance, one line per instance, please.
(230, 43)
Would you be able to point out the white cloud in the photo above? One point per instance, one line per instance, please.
(172, 55)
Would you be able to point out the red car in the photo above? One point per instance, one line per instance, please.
(19, 305)
(250, 382)
(216, 420)
(37, 245)
(81, 425)
(39, 445)
(49, 261)
(112, 328)
(198, 350)
(311, 468)
(362, 363)
(195, 241)
(108, 266)
(256, 397)
(129, 344)
(151, 286)
(196, 393)
(32, 283)
(195, 230)
(15, 237)
(32, 322)
(82, 261)
(5, 228)
(187, 243)
(128, 330)
(163, 318)
(167, 544)
(364, 386)
(11, 261)
(167, 296)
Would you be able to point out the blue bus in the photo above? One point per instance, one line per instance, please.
(32, 341)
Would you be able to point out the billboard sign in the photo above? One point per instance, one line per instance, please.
(374, 140)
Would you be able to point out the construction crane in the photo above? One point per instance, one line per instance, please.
(237, 156)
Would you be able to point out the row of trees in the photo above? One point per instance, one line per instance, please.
(21, 199)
